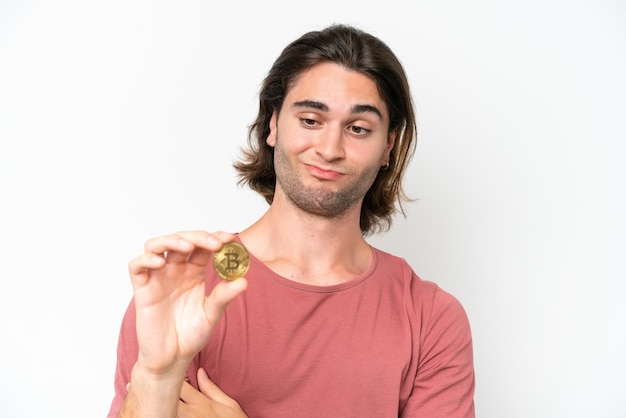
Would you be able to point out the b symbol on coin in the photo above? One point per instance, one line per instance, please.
(231, 262)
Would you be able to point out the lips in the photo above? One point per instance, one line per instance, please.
(323, 173)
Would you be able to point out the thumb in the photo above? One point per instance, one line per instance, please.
(221, 295)
(210, 389)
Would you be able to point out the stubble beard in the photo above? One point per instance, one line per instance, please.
(319, 201)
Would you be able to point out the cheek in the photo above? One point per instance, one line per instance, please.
(368, 156)
(295, 140)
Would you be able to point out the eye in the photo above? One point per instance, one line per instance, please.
(359, 130)
(308, 123)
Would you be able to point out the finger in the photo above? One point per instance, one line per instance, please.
(176, 257)
(174, 248)
(139, 267)
(224, 236)
(179, 255)
(211, 241)
(187, 392)
(184, 410)
(200, 257)
(221, 295)
(210, 389)
(185, 241)
(206, 245)
(186, 246)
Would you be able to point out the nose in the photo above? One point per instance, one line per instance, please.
(329, 144)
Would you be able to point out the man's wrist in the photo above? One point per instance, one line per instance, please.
(153, 395)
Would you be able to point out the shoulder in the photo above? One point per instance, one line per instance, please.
(426, 299)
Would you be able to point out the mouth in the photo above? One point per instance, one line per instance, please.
(323, 173)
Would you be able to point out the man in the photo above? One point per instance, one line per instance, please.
(323, 325)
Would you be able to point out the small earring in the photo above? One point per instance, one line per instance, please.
(386, 166)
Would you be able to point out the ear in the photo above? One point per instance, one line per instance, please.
(391, 141)
(271, 138)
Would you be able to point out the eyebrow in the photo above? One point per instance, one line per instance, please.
(360, 108)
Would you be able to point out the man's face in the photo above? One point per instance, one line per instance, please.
(331, 139)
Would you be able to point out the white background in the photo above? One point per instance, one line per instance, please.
(119, 121)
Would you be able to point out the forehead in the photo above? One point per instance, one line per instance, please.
(337, 87)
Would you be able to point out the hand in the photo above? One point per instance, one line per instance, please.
(174, 316)
(209, 402)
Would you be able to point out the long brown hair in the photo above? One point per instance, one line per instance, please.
(357, 51)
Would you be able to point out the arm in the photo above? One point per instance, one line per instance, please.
(444, 383)
(174, 317)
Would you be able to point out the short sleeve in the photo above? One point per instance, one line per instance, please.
(127, 353)
(444, 381)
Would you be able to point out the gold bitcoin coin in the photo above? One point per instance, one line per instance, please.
(232, 261)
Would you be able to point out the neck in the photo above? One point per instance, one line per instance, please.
(307, 248)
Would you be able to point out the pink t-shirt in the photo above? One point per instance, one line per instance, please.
(385, 344)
